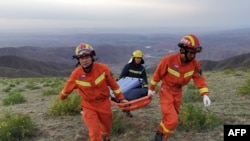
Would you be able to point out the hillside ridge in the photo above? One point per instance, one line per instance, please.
(14, 66)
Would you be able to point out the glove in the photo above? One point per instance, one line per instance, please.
(151, 92)
(62, 96)
(206, 101)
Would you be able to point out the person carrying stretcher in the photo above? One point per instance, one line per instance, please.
(93, 81)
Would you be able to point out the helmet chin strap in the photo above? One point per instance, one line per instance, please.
(187, 60)
(185, 52)
(88, 68)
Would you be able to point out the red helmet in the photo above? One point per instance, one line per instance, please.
(190, 41)
(84, 49)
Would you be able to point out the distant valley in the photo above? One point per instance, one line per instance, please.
(51, 55)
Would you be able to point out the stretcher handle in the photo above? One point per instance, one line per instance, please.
(131, 105)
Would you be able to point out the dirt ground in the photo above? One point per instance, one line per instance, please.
(231, 107)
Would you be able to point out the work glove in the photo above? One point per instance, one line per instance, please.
(151, 92)
(206, 101)
(62, 96)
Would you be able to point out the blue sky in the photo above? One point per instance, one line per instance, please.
(123, 15)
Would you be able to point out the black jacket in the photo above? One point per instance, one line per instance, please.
(136, 71)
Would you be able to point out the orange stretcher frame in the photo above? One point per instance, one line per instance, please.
(133, 104)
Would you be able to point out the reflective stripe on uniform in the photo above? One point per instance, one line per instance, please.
(152, 82)
(173, 72)
(177, 74)
(82, 83)
(187, 74)
(136, 72)
(166, 130)
(203, 90)
(100, 78)
(62, 92)
(88, 84)
(117, 91)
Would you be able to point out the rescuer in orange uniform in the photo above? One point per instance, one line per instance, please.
(92, 80)
(175, 71)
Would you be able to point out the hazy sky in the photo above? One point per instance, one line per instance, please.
(124, 15)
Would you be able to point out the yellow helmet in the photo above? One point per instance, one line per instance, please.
(137, 53)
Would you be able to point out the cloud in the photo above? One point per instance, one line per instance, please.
(123, 13)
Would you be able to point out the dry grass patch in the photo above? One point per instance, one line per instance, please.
(229, 105)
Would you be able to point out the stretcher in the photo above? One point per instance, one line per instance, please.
(127, 84)
(133, 104)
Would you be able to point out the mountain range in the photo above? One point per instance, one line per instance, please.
(221, 50)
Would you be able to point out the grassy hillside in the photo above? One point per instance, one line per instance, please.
(40, 93)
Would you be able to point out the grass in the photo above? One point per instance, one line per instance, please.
(229, 94)
(15, 126)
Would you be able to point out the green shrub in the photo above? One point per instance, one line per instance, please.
(19, 90)
(6, 89)
(191, 95)
(118, 124)
(31, 86)
(229, 71)
(12, 85)
(14, 97)
(245, 88)
(15, 126)
(69, 106)
(191, 85)
(54, 82)
(194, 118)
(52, 91)
(4, 81)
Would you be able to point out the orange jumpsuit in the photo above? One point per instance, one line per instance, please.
(173, 75)
(93, 87)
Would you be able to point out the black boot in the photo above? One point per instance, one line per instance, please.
(104, 138)
(158, 136)
(128, 113)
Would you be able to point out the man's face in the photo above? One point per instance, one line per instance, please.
(138, 60)
(191, 54)
(85, 60)
(187, 55)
